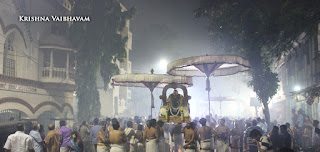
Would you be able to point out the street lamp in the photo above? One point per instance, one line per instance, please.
(296, 88)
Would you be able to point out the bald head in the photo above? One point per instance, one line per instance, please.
(51, 126)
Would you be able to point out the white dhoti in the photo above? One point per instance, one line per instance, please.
(189, 150)
(140, 147)
(178, 142)
(163, 147)
(117, 148)
(205, 145)
(102, 148)
(133, 145)
(222, 146)
(151, 145)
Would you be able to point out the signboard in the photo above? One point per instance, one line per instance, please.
(14, 87)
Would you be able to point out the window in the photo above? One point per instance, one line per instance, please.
(9, 64)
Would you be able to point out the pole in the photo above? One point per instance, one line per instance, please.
(151, 104)
(220, 109)
(209, 104)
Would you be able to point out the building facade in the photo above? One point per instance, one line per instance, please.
(37, 63)
(299, 74)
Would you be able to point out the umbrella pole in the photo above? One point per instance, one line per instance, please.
(209, 105)
(208, 89)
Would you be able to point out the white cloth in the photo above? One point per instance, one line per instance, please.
(178, 142)
(19, 142)
(151, 145)
(117, 148)
(64, 149)
(189, 150)
(36, 138)
(102, 148)
(222, 146)
(205, 145)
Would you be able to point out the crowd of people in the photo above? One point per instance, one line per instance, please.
(200, 135)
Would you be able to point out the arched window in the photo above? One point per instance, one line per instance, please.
(9, 62)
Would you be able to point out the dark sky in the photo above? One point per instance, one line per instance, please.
(165, 29)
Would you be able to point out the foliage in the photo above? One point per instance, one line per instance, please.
(260, 30)
(99, 44)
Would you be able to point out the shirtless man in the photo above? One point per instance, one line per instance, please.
(205, 135)
(235, 138)
(151, 137)
(130, 134)
(101, 139)
(139, 138)
(162, 143)
(176, 137)
(189, 138)
(117, 138)
(222, 137)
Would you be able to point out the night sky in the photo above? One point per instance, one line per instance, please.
(165, 29)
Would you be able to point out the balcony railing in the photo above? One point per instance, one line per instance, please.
(57, 73)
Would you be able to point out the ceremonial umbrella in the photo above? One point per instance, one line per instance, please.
(206, 66)
(150, 81)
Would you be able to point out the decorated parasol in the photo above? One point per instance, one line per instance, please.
(206, 66)
(151, 81)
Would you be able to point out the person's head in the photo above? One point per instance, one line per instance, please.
(288, 124)
(84, 123)
(51, 126)
(160, 123)
(35, 126)
(96, 121)
(20, 127)
(62, 123)
(283, 128)
(108, 120)
(203, 122)
(140, 127)
(263, 120)
(254, 122)
(153, 122)
(148, 123)
(129, 124)
(255, 134)
(258, 119)
(192, 125)
(175, 92)
(248, 124)
(222, 122)
(115, 125)
(275, 130)
(315, 123)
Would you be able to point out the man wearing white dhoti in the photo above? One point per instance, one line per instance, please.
(130, 134)
(176, 137)
(102, 142)
(151, 137)
(205, 134)
(162, 143)
(189, 138)
(139, 137)
(117, 138)
(222, 137)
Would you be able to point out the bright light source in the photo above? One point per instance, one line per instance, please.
(297, 88)
(163, 64)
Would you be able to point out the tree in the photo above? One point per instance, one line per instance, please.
(261, 31)
(99, 44)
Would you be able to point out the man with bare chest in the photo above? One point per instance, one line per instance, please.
(139, 138)
(117, 138)
(189, 138)
(222, 137)
(162, 143)
(130, 134)
(151, 137)
(205, 135)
